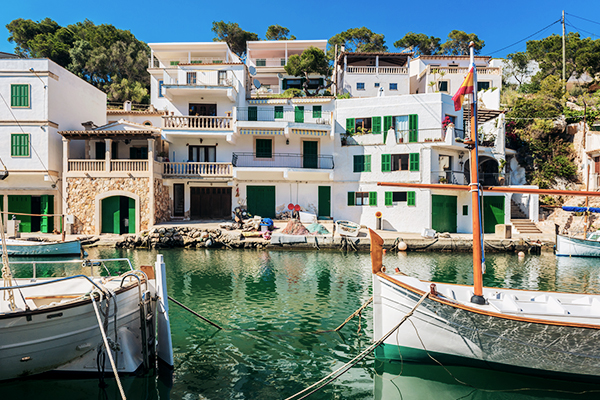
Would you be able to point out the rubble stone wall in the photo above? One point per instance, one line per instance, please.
(162, 202)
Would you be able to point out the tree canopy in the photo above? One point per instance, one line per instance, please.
(111, 59)
(277, 32)
(311, 61)
(419, 43)
(233, 35)
(458, 43)
(358, 40)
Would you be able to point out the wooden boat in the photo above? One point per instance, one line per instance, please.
(347, 228)
(57, 324)
(535, 332)
(35, 248)
(578, 247)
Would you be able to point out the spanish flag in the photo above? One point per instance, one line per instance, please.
(465, 88)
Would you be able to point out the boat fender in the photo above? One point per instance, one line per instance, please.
(521, 254)
(433, 289)
(402, 246)
(383, 268)
(384, 251)
(397, 270)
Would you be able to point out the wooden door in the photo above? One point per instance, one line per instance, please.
(310, 154)
(443, 213)
(324, 201)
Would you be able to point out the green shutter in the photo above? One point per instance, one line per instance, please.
(317, 111)
(278, 112)
(264, 148)
(413, 162)
(47, 207)
(350, 125)
(367, 165)
(19, 145)
(358, 163)
(299, 114)
(388, 198)
(386, 162)
(376, 124)
(350, 198)
(20, 204)
(252, 114)
(372, 198)
(413, 126)
(411, 198)
(387, 124)
(19, 95)
(131, 215)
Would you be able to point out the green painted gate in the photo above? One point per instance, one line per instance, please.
(310, 154)
(47, 207)
(325, 201)
(21, 204)
(493, 213)
(261, 200)
(115, 210)
(443, 213)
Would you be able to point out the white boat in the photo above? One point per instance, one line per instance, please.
(57, 324)
(347, 228)
(15, 247)
(535, 332)
(577, 247)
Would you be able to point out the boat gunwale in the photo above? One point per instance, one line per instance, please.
(475, 310)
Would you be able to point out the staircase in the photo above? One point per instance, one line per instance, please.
(520, 222)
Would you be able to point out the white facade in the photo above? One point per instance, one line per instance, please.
(40, 98)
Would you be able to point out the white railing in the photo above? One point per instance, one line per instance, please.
(377, 70)
(86, 165)
(268, 62)
(129, 165)
(174, 62)
(197, 122)
(189, 76)
(464, 70)
(196, 169)
(263, 91)
(286, 114)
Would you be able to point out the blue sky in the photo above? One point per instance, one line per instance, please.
(498, 23)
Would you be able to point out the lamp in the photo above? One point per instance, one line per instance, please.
(287, 141)
(461, 155)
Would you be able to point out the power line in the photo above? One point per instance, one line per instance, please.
(522, 40)
(582, 30)
(585, 19)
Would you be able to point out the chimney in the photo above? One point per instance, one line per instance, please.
(127, 106)
(89, 125)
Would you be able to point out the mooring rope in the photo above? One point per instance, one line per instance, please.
(340, 371)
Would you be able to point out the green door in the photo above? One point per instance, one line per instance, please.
(261, 200)
(325, 201)
(443, 213)
(310, 154)
(493, 213)
(299, 114)
(131, 215)
(21, 204)
(111, 214)
(47, 207)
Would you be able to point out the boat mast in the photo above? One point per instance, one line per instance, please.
(477, 249)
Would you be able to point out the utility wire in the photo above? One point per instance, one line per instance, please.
(582, 30)
(585, 19)
(522, 40)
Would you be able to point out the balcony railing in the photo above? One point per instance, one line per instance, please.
(463, 178)
(191, 169)
(189, 122)
(268, 62)
(191, 77)
(156, 63)
(86, 165)
(282, 160)
(377, 70)
(464, 70)
(265, 91)
(287, 114)
(129, 165)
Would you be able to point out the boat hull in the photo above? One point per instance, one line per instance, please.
(465, 337)
(573, 247)
(25, 248)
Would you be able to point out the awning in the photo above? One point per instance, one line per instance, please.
(261, 132)
(309, 132)
(581, 209)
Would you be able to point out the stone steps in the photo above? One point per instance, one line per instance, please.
(525, 226)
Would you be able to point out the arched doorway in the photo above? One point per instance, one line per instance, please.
(118, 215)
(488, 171)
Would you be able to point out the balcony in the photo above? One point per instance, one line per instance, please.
(201, 123)
(282, 160)
(284, 114)
(464, 70)
(463, 178)
(196, 169)
(376, 70)
(100, 166)
(174, 62)
(268, 62)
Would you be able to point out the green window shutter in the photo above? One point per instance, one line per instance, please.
(350, 198)
(413, 126)
(278, 112)
(350, 125)
(299, 114)
(372, 198)
(263, 148)
(19, 145)
(19, 95)
(317, 111)
(387, 124)
(367, 165)
(252, 114)
(388, 198)
(413, 162)
(386, 162)
(376, 123)
(358, 163)
(410, 199)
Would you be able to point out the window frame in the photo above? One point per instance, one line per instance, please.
(393, 86)
(12, 146)
(272, 155)
(447, 90)
(361, 163)
(360, 86)
(489, 85)
(261, 62)
(13, 97)
(190, 78)
(160, 85)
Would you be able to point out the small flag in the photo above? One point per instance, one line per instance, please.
(465, 88)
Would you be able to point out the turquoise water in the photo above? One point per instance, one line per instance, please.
(273, 302)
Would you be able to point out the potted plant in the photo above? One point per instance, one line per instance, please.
(443, 179)
(160, 156)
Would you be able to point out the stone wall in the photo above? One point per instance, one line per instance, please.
(162, 202)
(81, 199)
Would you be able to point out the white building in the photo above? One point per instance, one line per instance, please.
(40, 98)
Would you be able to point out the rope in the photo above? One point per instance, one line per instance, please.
(337, 373)
(106, 345)
(194, 312)
(357, 312)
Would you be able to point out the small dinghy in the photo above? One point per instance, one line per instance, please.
(347, 228)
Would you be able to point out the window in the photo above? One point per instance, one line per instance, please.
(19, 145)
(399, 162)
(362, 125)
(413, 162)
(376, 84)
(483, 86)
(261, 62)
(202, 154)
(283, 62)
(399, 197)
(252, 113)
(223, 78)
(315, 83)
(160, 85)
(278, 112)
(191, 78)
(362, 198)
(19, 95)
(443, 86)
(465, 210)
(217, 61)
(362, 163)
(317, 111)
(360, 86)
(264, 148)
(174, 62)
(292, 84)
(147, 123)
(393, 86)
(411, 199)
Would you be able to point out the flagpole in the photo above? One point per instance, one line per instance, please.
(477, 245)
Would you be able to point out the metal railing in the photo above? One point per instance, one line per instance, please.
(268, 62)
(197, 122)
(494, 179)
(282, 160)
(284, 114)
(200, 77)
(463, 178)
(377, 70)
(196, 169)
